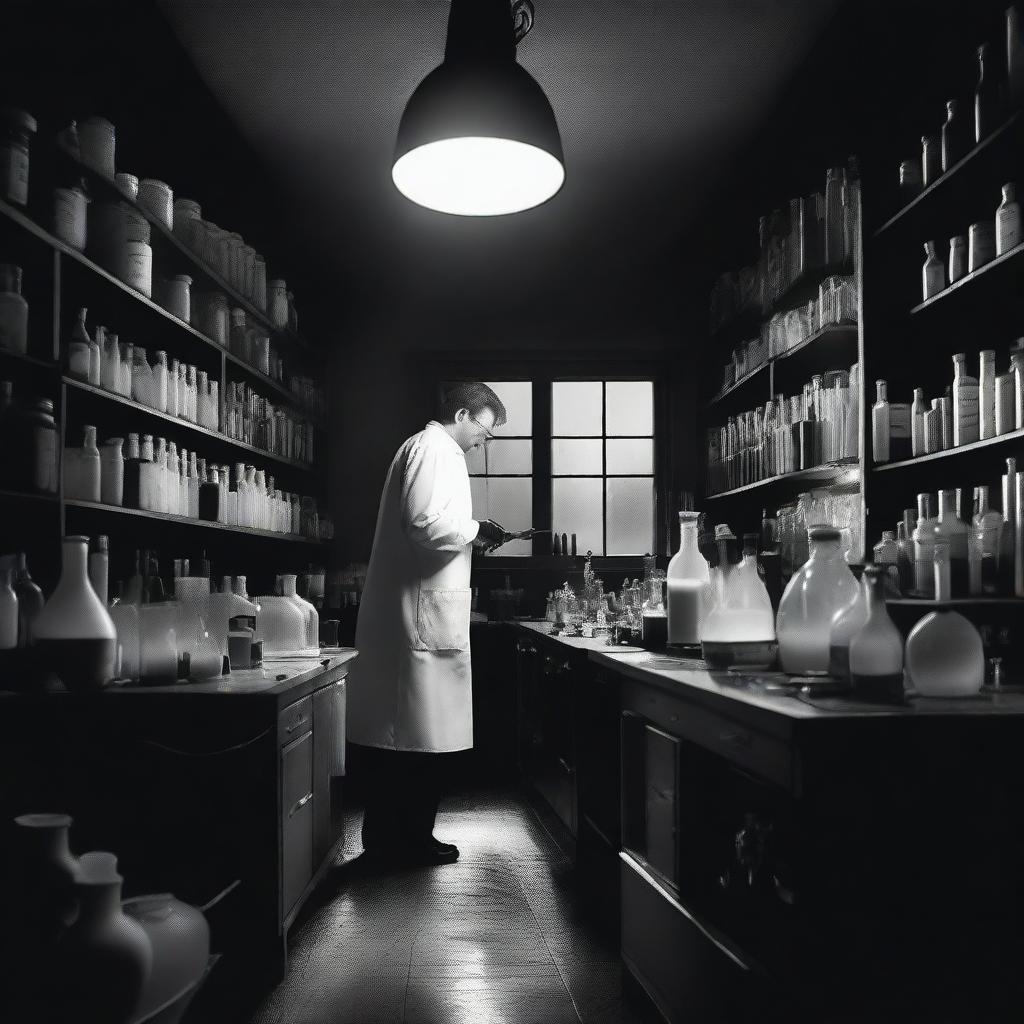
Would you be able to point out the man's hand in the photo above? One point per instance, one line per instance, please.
(491, 535)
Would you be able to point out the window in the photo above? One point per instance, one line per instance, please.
(577, 454)
(501, 472)
(602, 465)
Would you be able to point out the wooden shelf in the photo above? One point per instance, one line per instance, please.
(9, 495)
(194, 428)
(943, 180)
(104, 187)
(948, 453)
(828, 472)
(995, 264)
(805, 287)
(925, 602)
(92, 506)
(831, 330)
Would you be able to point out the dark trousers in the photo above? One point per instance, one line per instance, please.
(401, 793)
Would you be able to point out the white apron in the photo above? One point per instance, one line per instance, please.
(411, 686)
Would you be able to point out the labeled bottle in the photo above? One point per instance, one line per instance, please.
(876, 650)
(923, 538)
(957, 136)
(822, 586)
(965, 403)
(981, 244)
(987, 393)
(880, 424)
(933, 273)
(957, 257)
(688, 580)
(1008, 224)
(112, 471)
(79, 349)
(13, 311)
(899, 430)
(952, 530)
(988, 105)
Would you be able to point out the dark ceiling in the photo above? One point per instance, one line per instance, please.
(652, 98)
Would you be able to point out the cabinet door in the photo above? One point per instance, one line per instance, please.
(297, 807)
(661, 802)
(529, 733)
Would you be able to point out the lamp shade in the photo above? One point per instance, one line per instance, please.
(478, 136)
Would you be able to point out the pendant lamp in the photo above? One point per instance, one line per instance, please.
(478, 136)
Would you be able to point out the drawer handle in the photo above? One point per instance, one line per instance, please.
(735, 738)
(297, 724)
(302, 803)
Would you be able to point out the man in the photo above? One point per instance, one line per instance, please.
(410, 696)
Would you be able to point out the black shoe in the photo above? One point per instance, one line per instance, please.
(447, 848)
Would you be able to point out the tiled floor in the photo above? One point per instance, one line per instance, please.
(496, 937)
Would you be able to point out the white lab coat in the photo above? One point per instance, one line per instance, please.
(411, 686)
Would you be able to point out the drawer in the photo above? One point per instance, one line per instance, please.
(296, 854)
(296, 774)
(761, 754)
(294, 720)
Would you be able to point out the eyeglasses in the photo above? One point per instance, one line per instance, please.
(487, 431)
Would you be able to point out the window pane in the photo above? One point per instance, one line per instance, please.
(505, 456)
(630, 516)
(572, 457)
(576, 508)
(630, 407)
(478, 490)
(517, 397)
(630, 457)
(576, 408)
(475, 461)
(510, 503)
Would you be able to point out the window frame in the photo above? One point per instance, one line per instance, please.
(542, 370)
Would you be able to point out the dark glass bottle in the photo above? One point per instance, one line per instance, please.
(988, 106)
(30, 601)
(957, 138)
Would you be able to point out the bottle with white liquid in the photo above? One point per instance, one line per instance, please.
(1008, 226)
(965, 402)
(880, 424)
(923, 539)
(987, 393)
(689, 581)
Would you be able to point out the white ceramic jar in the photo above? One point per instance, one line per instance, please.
(96, 145)
(69, 216)
(158, 198)
(134, 266)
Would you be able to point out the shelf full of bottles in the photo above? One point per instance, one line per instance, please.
(85, 412)
(945, 355)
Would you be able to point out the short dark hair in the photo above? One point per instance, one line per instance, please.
(471, 395)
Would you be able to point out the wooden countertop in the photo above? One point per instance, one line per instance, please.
(285, 680)
(766, 693)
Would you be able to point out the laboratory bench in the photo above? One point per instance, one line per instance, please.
(766, 850)
(226, 793)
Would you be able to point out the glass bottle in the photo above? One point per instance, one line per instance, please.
(956, 136)
(30, 601)
(917, 434)
(1008, 544)
(127, 366)
(110, 360)
(79, 348)
(944, 654)
(688, 579)
(923, 538)
(132, 473)
(13, 311)
(16, 129)
(904, 561)
(933, 274)
(931, 159)
(8, 616)
(845, 623)
(96, 357)
(99, 566)
(74, 634)
(876, 650)
(988, 107)
(822, 586)
(965, 403)
(835, 237)
(886, 551)
(1008, 226)
(984, 546)
(143, 385)
(987, 393)
(957, 257)
(160, 381)
(82, 469)
(954, 532)
(880, 424)
(112, 471)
